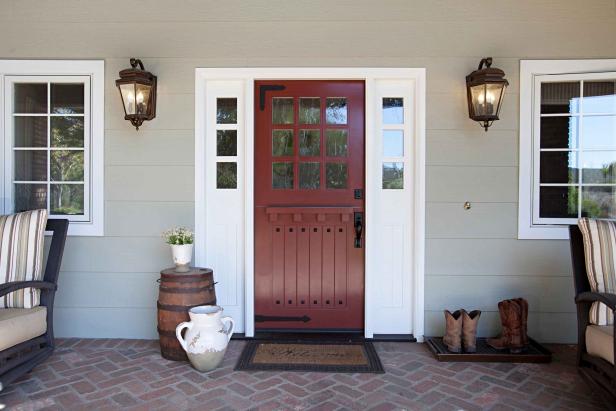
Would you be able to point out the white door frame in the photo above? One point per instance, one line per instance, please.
(383, 319)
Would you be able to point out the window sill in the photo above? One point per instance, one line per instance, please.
(543, 232)
(85, 229)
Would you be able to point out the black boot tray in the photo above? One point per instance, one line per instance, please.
(534, 353)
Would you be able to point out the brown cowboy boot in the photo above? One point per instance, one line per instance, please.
(524, 306)
(511, 320)
(469, 330)
(453, 331)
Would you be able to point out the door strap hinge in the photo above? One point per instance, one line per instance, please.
(265, 88)
(264, 318)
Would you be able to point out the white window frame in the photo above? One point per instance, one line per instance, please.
(531, 74)
(92, 72)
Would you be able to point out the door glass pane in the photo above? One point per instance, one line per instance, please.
(599, 167)
(309, 110)
(309, 142)
(336, 110)
(393, 175)
(30, 197)
(393, 143)
(66, 165)
(282, 110)
(30, 165)
(30, 131)
(558, 202)
(226, 175)
(67, 132)
(560, 98)
(599, 131)
(336, 175)
(336, 144)
(599, 202)
(282, 143)
(66, 199)
(393, 110)
(558, 167)
(67, 98)
(226, 142)
(30, 98)
(559, 132)
(309, 175)
(282, 175)
(226, 111)
(600, 96)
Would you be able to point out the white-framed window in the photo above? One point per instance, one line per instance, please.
(567, 145)
(51, 140)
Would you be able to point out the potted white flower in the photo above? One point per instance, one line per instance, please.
(181, 241)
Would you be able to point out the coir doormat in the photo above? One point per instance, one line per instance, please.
(347, 357)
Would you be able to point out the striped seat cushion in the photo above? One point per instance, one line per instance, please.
(600, 254)
(21, 255)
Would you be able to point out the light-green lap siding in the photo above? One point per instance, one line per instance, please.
(473, 259)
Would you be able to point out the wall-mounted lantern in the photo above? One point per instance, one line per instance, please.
(485, 88)
(138, 91)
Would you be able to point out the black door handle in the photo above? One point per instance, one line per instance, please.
(359, 228)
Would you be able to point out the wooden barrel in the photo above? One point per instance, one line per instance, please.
(177, 293)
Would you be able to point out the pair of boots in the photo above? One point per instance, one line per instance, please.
(514, 319)
(461, 329)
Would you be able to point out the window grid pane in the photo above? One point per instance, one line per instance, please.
(592, 148)
(50, 135)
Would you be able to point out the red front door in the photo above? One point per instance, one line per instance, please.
(309, 205)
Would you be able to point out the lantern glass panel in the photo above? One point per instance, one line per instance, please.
(142, 98)
(486, 98)
(128, 97)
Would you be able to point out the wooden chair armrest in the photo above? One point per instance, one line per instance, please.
(591, 297)
(7, 288)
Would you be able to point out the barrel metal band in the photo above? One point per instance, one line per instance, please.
(179, 308)
(192, 290)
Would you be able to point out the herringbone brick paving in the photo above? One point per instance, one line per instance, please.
(131, 375)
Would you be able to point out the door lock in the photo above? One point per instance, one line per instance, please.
(358, 222)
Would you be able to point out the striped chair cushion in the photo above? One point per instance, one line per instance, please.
(600, 254)
(21, 255)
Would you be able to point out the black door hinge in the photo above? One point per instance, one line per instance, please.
(265, 88)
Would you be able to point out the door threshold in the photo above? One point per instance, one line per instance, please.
(332, 335)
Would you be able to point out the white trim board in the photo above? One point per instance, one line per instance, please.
(530, 72)
(393, 305)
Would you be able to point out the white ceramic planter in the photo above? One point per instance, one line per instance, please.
(207, 336)
(182, 255)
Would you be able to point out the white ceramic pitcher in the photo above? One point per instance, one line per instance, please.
(207, 336)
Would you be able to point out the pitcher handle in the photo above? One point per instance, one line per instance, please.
(229, 328)
(178, 333)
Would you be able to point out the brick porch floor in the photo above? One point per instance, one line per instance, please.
(131, 375)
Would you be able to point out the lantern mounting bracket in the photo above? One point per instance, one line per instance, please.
(136, 62)
(487, 61)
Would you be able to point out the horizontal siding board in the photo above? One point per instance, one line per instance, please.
(113, 254)
(113, 290)
(539, 39)
(449, 111)
(496, 257)
(149, 183)
(482, 184)
(544, 294)
(146, 219)
(316, 10)
(117, 322)
(482, 220)
(149, 147)
(472, 147)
